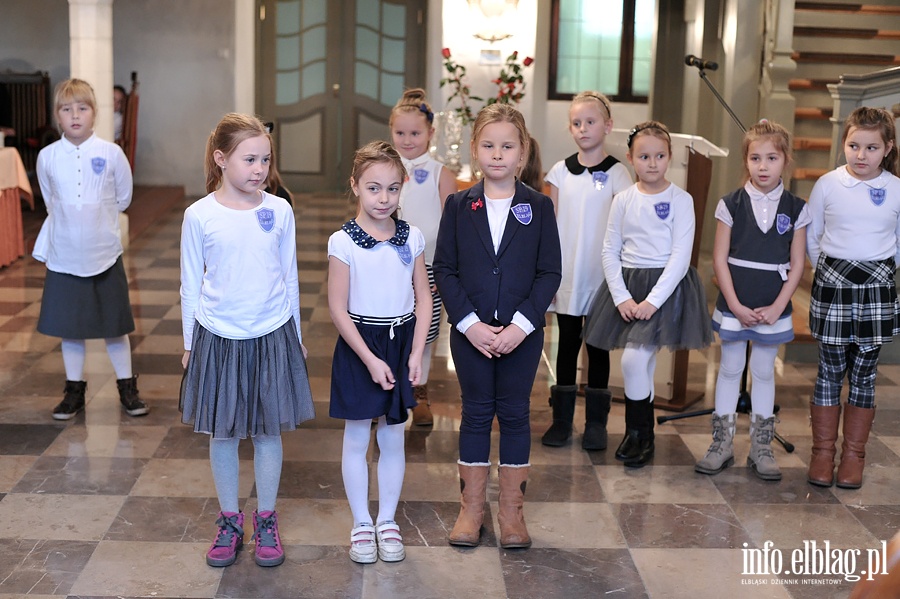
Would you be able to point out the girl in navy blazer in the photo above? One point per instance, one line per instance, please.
(497, 266)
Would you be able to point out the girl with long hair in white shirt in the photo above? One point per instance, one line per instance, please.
(245, 366)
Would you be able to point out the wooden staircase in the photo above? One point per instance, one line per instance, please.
(832, 39)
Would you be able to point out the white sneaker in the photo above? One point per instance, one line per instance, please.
(390, 543)
(363, 549)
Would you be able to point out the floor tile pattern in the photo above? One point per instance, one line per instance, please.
(111, 506)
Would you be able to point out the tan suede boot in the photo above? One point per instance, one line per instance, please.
(857, 424)
(511, 517)
(421, 414)
(824, 421)
(472, 486)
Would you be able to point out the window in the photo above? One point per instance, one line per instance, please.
(602, 45)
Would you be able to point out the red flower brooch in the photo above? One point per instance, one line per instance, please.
(477, 204)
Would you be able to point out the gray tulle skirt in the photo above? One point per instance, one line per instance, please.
(682, 322)
(246, 387)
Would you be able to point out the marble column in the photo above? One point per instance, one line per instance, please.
(91, 55)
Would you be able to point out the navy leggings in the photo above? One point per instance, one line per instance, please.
(496, 386)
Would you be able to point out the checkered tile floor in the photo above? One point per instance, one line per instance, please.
(110, 506)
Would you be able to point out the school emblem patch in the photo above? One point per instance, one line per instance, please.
(523, 213)
(266, 219)
(877, 196)
(404, 253)
(662, 210)
(600, 179)
(98, 164)
(782, 223)
(420, 175)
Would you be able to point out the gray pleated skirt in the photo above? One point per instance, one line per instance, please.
(246, 387)
(682, 322)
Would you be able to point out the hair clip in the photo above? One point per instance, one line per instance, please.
(423, 107)
(630, 137)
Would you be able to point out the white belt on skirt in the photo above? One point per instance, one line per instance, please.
(781, 269)
(382, 321)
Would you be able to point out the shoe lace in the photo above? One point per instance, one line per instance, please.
(228, 527)
(765, 432)
(265, 531)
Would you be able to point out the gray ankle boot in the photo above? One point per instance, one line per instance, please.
(720, 454)
(761, 458)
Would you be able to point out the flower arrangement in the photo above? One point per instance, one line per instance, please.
(510, 84)
(455, 78)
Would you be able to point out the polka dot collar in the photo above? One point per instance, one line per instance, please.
(367, 242)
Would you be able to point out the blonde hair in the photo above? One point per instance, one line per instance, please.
(413, 101)
(592, 96)
(74, 90)
(653, 129)
(766, 130)
(233, 129)
(501, 113)
(533, 172)
(877, 119)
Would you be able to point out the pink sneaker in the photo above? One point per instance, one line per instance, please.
(268, 544)
(229, 539)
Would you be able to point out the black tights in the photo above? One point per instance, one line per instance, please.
(567, 355)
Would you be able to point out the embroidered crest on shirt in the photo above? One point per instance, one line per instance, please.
(877, 196)
(98, 164)
(600, 179)
(420, 175)
(266, 219)
(782, 223)
(523, 213)
(404, 253)
(662, 209)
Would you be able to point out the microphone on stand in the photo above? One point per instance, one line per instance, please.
(693, 61)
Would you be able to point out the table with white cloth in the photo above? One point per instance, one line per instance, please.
(14, 186)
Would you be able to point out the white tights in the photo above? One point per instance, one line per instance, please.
(355, 469)
(638, 367)
(118, 348)
(762, 373)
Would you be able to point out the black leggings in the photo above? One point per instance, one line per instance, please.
(567, 355)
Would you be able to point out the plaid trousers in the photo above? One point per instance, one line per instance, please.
(834, 363)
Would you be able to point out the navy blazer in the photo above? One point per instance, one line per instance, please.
(522, 276)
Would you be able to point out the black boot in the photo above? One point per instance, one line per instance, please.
(73, 400)
(128, 396)
(596, 414)
(645, 447)
(628, 448)
(562, 399)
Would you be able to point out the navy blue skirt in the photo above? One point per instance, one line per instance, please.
(246, 387)
(354, 395)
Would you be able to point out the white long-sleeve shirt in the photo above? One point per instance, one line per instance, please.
(853, 219)
(85, 188)
(238, 269)
(649, 231)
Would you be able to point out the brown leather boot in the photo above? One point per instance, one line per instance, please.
(511, 517)
(421, 414)
(857, 424)
(472, 486)
(824, 421)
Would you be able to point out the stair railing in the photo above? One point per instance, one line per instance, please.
(879, 89)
